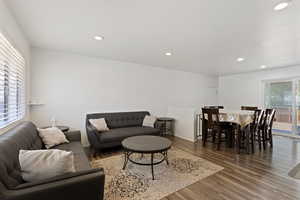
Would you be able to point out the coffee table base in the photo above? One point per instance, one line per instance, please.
(127, 155)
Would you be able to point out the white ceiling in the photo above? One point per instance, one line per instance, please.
(205, 36)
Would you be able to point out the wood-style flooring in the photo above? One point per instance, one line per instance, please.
(263, 175)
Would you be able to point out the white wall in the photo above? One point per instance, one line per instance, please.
(72, 85)
(247, 88)
(10, 29)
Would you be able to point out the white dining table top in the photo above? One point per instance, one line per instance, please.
(239, 112)
(241, 117)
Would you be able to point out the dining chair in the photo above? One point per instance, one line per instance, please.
(250, 108)
(259, 127)
(253, 132)
(267, 127)
(213, 126)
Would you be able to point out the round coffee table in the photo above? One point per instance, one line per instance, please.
(146, 145)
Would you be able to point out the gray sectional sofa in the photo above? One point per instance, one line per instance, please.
(85, 183)
(121, 125)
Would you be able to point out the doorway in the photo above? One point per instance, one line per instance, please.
(284, 97)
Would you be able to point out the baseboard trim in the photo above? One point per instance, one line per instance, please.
(184, 138)
(286, 135)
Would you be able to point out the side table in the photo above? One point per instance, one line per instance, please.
(166, 125)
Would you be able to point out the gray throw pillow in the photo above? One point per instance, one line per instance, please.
(42, 164)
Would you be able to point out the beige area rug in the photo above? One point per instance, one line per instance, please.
(135, 182)
(295, 172)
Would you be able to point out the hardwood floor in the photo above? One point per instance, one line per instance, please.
(262, 175)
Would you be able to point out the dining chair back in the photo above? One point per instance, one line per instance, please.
(251, 108)
(212, 117)
(214, 107)
(258, 119)
(254, 133)
(270, 116)
(267, 127)
(248, 136)
(259, 126)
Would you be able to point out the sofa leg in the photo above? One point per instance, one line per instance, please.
(97, 153)
(93, 152)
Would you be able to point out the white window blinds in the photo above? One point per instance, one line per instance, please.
(12, 85)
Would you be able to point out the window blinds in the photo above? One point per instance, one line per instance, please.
(12, 83)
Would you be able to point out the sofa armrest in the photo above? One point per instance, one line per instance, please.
(80, 185)
(73, 136)
(92, 135)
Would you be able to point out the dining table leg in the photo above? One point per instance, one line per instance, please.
(239, 133)
(231, 135)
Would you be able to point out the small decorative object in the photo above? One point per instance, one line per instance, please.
(53, 121)
(35, 102)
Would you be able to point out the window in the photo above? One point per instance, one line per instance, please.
(12, 85)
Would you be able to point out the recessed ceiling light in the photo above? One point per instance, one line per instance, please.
(282, 5)
(240, 59)
(168, 54)
(98, 37)
(263, 66)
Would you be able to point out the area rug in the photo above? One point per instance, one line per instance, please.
(295, 172)
(135, 182)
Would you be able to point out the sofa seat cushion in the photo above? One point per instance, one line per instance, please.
(119, 134)
(81, 161)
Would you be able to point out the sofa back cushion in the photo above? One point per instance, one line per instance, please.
(23, 136)
(120, 119)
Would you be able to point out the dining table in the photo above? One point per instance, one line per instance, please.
(238, 119)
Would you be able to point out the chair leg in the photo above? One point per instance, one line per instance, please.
(93, 152)
(259, 139)
(247, 135)
(238, 141)
(204, 138)
(213, 136)
(252, 141)
(219, 139)
(232, 138)
(271, 138)
(264, 139)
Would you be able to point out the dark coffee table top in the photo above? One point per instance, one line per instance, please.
(146, 144)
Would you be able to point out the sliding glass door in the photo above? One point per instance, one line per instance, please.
(280, 96)
(297, 120)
